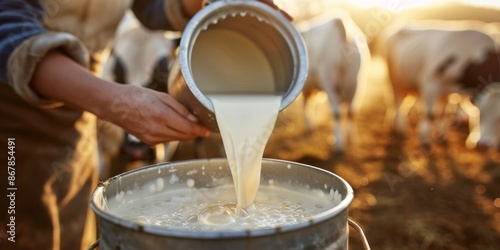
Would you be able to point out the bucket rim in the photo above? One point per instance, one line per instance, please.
(190, 32)
(169, 232)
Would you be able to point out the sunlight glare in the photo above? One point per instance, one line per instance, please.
(398, 5)
(490, 3)
(394, 5)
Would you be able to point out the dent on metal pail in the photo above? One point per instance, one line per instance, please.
(237, 47)
(326, 230)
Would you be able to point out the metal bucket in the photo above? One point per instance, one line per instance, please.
(265, 28)
(328, 230)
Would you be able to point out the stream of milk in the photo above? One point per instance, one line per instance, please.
(245, 123)
(230, 69)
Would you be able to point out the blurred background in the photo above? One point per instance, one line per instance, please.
(406, 196)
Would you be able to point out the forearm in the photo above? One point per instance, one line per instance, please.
(59, 78)
(152, 116)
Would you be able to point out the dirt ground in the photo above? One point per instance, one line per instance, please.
(406, 197)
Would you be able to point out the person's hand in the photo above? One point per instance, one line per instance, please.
(152, 116)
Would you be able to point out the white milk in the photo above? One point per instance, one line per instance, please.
(245, 124)
(231, 69)
(213, 209)
(224, 61)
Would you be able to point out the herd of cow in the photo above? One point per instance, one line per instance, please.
(427, 61)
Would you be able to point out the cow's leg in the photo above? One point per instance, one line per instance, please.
(349, 126)
(308, 111)
(474, 124)
(402, 106)
(430, 95)
(336, 106)
(440, 111)
(348, 94)
(330, 85)
(474, 134)
(453, 110)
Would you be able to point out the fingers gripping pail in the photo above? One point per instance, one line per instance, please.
(237, 47)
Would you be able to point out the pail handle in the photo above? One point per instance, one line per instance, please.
(94, 245)
(358, 228)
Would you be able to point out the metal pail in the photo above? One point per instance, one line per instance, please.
(327, 230)
(259, 24)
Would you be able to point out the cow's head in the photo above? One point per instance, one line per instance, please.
(478, 75)
(157, 80)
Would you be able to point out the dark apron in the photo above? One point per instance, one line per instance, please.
(55, 173)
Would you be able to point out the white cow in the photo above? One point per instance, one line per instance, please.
(435, 62)
(140, 57)
(337, 51)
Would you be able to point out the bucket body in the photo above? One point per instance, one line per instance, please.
(237, 47)
(328, 230)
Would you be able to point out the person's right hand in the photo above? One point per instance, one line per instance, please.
(152, 116)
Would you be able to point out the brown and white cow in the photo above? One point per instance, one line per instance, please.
(435, 62)
(337, 52)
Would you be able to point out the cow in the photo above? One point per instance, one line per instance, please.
(433, 62)
(338, 53)
(140, 57)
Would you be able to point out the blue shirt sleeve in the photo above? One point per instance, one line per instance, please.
(151, 14)
(19, 20)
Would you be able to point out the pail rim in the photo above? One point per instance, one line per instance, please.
(162, 231)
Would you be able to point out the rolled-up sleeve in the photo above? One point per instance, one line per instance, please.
(24, 42)
(160, 14)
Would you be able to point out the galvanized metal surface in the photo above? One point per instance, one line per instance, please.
(328, 230)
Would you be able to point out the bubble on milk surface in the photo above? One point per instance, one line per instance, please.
(173, 179)
(190, 183)
(192, 172)
(156, 185)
